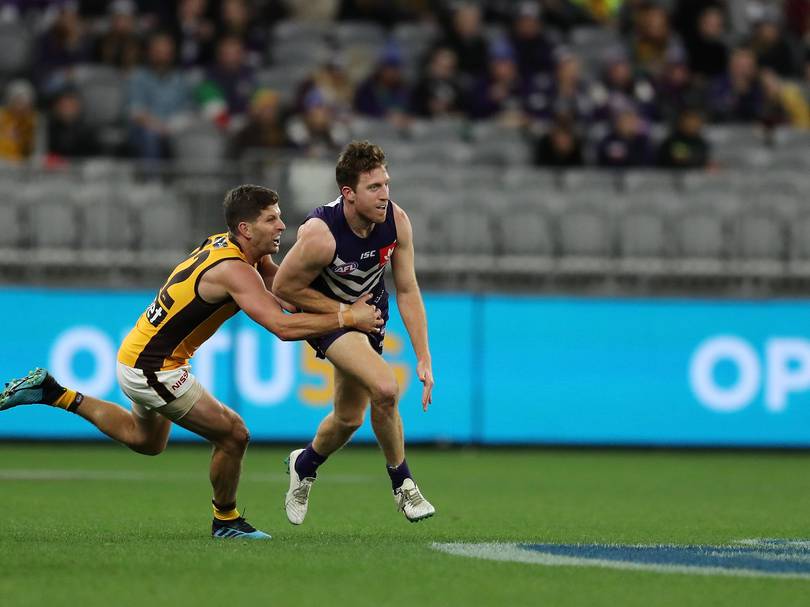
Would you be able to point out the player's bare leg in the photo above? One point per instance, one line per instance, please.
(146, 434)
(334, 431)
(227, 432)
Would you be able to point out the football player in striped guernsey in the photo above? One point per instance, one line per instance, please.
(342, 251)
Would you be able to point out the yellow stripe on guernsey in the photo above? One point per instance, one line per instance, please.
(178, 321)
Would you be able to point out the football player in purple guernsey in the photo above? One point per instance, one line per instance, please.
(342, 251)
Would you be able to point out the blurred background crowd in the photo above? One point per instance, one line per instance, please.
(609, 83)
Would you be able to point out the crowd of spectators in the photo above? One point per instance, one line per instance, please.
(641, 100)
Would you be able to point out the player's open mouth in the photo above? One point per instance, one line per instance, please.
(277, 240)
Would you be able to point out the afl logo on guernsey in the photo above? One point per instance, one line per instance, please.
(346, 268)
(385, 253)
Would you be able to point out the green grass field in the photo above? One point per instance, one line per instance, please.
(98, 525)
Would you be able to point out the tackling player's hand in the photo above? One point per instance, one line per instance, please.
(425, 373)
(364, 316)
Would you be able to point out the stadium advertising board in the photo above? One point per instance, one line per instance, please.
(509, 370)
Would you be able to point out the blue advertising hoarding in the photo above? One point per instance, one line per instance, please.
(508, 369)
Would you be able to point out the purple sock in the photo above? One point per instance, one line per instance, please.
(398, 474)
(308, 462)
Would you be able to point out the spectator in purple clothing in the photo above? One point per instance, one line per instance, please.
(620, 87)
(64, 45)
(708, 49)
(236, 18)
(534, 50)
(438, 92)
(193, 32)
(501, 94)
(737, 95)
(567, 94)
(627, 145)
(677, 90)
(385, 94)
(226, 91)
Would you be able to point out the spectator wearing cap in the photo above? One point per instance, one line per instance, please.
(119, 46)
(385, 94)
(501, 94)
(465, 35)
(315, 132)
(619, 87)
(438, 92)
(774, 49)
(653, 42)
(707, 48)
(560, 146)
(627, 145)
(334, 83)
(159, 99)
(534, 50)
(685, 147)
(69, 135)
(567, 94)
(599, 11)
(264, 129)
(737, 95)
(18, 122)
(224, 95)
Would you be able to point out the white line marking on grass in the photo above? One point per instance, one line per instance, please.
(510, 552)
(79, 474)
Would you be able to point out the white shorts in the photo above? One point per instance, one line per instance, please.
(171, 393)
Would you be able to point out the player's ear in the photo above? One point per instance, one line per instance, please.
(245, 229)
(348, 193)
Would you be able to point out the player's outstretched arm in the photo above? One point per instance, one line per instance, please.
(410, 304)
(312, 252)
(244, 284)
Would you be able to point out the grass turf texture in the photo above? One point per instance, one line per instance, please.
(123, 529)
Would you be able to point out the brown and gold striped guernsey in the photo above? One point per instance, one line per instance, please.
(178, 321)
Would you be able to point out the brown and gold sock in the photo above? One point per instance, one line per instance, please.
(225, 512)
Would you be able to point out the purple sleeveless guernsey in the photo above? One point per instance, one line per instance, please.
(357, 267)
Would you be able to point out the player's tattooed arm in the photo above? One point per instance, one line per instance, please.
(312, 252)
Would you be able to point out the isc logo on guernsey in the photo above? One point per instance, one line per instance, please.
(782, 370)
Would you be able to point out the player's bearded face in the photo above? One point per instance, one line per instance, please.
(371, 197)
(266, 230)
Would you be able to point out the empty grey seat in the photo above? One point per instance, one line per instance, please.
(351, 32)
(284, 80)
(103, 94)
(642, 233)
(292, 30)
(300, 54)
(166, 226)
(108, 224)
(529, 232)
(12, 233)
(585, 231)
(799, 229)
(54, 224)
(464, 232)
(15, 48)
(760, 235)
(701, 234)
(200, 148)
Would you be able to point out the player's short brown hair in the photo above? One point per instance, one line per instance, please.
(245, 203)
(356, 158)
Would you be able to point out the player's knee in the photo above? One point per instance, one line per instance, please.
(240, 436)
(350, 424)
(149, 447)
(385, 393)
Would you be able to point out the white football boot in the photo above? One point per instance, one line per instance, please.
(297, 498)
(412, 503)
